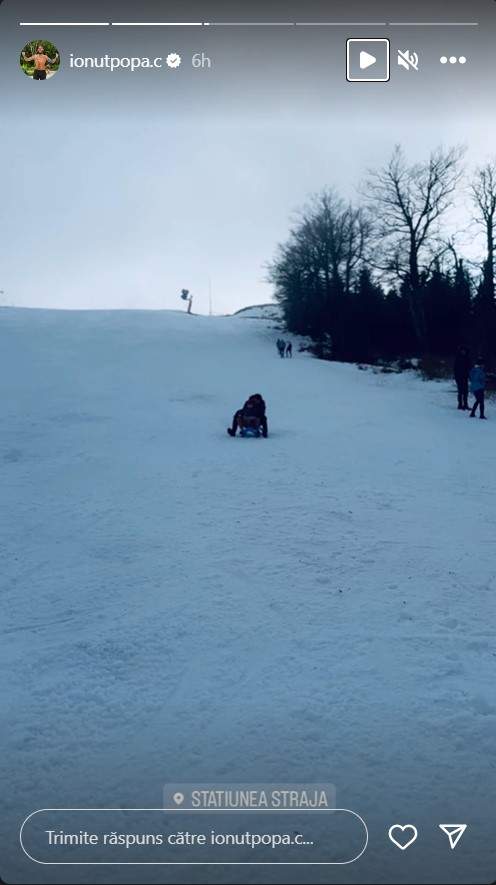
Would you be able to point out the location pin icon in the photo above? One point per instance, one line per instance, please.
(178, 798)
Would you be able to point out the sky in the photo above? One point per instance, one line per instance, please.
(122, 188)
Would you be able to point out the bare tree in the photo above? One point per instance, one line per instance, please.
(339, 233)
(359, 232)
(320, 264)
(483, 190)
(408, 203)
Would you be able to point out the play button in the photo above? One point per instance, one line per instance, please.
(366, 60)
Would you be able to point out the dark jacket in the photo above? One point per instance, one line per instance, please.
(462, 365)
(254, 408)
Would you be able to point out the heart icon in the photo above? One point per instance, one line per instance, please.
(178, 798)
(406, 835)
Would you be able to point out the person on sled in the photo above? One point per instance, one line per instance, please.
(254, 407)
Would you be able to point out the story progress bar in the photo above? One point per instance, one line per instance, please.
(248, 24)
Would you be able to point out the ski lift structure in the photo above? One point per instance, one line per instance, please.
(187, 296)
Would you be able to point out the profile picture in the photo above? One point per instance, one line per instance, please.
(40, 59)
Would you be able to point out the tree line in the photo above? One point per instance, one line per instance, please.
(384, 278)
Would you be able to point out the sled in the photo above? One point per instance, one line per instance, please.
(250, 427)
(250, 431)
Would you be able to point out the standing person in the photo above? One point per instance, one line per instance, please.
(41, 60)
(281, 346)
(478, 386)
(461, 371)
(289, 350)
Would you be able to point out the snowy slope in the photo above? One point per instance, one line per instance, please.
(261, 312)
(181, 606)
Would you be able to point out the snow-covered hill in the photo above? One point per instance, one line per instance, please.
(181, 606)
(261, 312)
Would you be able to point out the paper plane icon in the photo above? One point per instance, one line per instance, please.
(454, 833)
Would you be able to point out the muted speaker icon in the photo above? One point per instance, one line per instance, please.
(408, 59)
